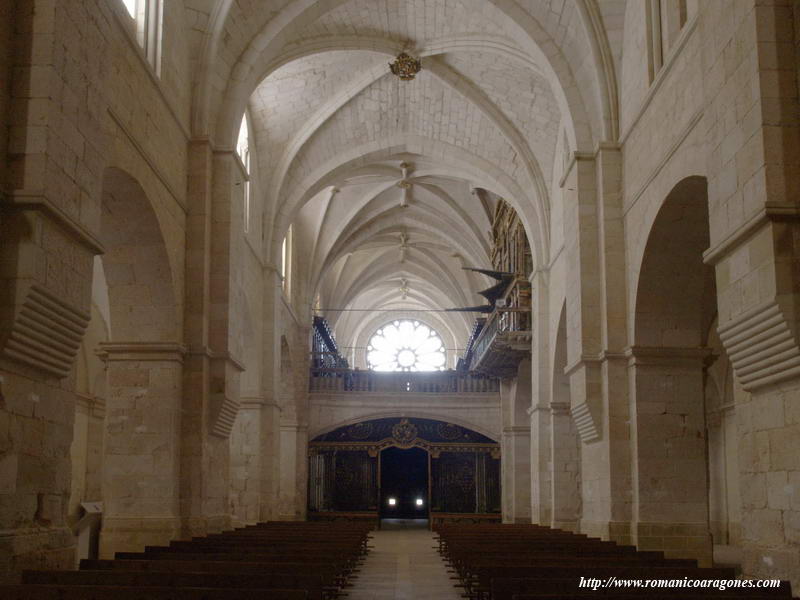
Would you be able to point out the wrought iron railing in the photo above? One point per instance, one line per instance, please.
(436, 382)
(324, 351)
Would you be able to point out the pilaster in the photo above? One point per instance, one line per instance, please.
(755, 248)
(142, 445)
(596, 332)
(670, 487)
(292, 497)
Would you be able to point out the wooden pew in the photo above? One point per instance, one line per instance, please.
(280, 561)
(312, 584)
(527, 562)
(81, 592)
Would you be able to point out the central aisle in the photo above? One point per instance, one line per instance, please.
(403, 565)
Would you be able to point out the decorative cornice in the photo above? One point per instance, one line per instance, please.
(223, 410)
(142, 351)
(560, 408)
(586, 423)
(593, 359)
(761, 345)
(294, 427)
(667, 356)
(435, 448)
(46, 332)
(207, 352)
(771, 211)
(516, 430)
(254, 402)
(22, 200)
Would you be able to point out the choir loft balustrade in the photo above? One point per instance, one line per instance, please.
(500, 343)
(436, 382)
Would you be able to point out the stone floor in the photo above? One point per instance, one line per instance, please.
(403, 566)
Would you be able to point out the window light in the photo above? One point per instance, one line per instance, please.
(419, 501)
(392, 501)
(406, 346)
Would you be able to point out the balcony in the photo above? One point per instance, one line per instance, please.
(504, 340)
(436, 382)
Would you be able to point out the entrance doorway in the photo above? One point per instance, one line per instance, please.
(404, 484)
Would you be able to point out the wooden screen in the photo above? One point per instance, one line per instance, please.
(465, 482)
(343, 480)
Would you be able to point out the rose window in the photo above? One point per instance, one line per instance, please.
(405, 346)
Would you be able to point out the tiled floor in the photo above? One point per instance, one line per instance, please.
(403, 565)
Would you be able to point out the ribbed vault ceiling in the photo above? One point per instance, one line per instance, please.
(332, 127)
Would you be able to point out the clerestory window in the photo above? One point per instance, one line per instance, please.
(406, 345)
(666, 19)
(286, 262)
(147, 16)
(243, 150)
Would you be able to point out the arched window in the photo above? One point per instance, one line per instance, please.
(243, 150)
(286, 260)
(148, 17)
(406, 346)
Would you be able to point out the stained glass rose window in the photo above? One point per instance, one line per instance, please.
(405, 346)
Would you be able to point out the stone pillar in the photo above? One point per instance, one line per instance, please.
(516, 446)
(670, 487)
(506, 453)
(541, 476)
(269, 432)
(293, 472)
(142, 443)
(755, 227)
(596, 329)
(270, 411)
(515, 461)
(565, 475)
(246, 463)
(211, 377)
(538, 415)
